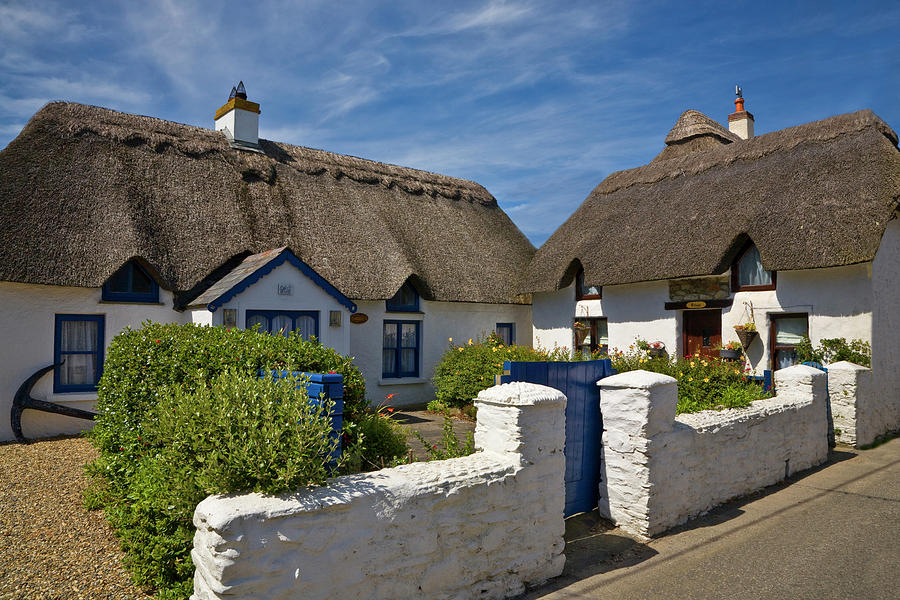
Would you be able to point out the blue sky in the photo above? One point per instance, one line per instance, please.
(537, 101)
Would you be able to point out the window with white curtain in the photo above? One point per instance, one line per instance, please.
(78, 345)
(787, 331)
(748, 273)
(283, 322)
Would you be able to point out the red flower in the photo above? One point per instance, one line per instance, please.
(157, 341)
(390, 410)
(389, 396)
(332, 372)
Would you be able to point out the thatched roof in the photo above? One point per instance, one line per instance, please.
(694, 132)
(816, 195)
(84, 189)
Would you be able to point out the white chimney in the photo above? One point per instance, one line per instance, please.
(238, 118)
(740, 122)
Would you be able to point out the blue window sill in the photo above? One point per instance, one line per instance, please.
(147, 302)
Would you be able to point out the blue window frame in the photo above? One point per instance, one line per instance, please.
(131, 283)
(405, 300)
(78, 343)
(400, 349)
(507, 332)
(283, 322)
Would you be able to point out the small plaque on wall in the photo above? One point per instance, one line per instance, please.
(358, 318)
(284, 289)
(334, 318)
(229, 317)
(696, 304)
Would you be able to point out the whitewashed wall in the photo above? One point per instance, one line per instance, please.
(305, 295)
(858, 412)
(659, 470)
(27, 320)
(440, 321)
(886, 323)
(838, 301)
(480, 526)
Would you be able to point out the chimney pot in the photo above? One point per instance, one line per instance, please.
(238, 118)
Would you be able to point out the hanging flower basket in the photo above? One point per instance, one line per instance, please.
(745, 335)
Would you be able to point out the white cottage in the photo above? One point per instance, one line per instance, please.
(111, 219)
(795, 230)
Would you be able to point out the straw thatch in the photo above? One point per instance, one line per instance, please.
(84, 189)
(817, 195)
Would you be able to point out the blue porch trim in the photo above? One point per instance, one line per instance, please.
(285, 256)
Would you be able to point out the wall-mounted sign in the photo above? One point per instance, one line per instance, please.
(229, 317)
(696, 304)
(334, 318)
(359, 318)
(284, 289)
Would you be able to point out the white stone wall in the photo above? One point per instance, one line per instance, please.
(859, 412)
(886, 323)
(659, 470)
(480, 526)
(439, 322)
(27, 320)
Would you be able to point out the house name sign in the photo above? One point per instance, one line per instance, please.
(358, 318)
(696, 304)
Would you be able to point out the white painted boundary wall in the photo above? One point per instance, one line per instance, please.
(659, 470)
(858, 411)
(480, 526)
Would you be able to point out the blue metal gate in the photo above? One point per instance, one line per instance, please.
(584, 426)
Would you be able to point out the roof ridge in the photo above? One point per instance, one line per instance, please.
(750, 149)
(165, 135)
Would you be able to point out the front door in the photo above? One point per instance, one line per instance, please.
(702, 332)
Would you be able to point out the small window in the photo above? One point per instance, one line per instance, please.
(584, 291)
(507, 333)
(405, 300)
(78, 344)
(786, 332)
(131, 283)
(400, 349)
(747, 273)
(283, 322)
(591, 336)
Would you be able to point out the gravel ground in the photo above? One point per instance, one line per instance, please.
(50, 546)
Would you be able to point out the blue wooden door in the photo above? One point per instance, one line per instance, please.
(584, 426)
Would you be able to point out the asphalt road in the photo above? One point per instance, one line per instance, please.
(832, 532)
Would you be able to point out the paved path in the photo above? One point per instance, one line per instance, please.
(834, 532)
(431, 426)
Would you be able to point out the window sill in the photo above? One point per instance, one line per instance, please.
(402, 381)
(144, 302)
(65, 397)
(403, 312)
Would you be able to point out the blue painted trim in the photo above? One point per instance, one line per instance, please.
(270, 266)
(59, 354)
(396, 373)
(109, 295)
(293, 314)
(512, 331)
(391, 306)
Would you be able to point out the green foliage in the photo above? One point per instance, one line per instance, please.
(465, 370)
(374, 442)
(832, 350)
(192, 375)
(238, 434)
(450, 446)
(438, 407)
(703, 383)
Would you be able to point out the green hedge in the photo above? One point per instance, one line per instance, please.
(154, 466)
(465, 370)
(703, 383)
(832, 350)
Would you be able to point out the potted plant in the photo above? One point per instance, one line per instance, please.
(657, 350)
(730, 351)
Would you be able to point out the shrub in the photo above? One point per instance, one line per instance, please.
(703, 383)
(465, 370)
(450, 445)
(832, 350)
(238, 434)
(143, 368)
(374, 442)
